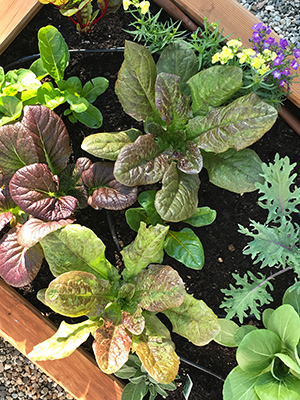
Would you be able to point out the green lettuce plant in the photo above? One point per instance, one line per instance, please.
(22, 87)
(268, 359)
(187, 126)
(275, 243)
(184, 246)
(120, 309)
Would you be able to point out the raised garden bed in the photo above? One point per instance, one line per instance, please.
(222, 244)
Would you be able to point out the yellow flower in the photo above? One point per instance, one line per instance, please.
(126, 4)
(249, 52)
(144, 5)
(55, 2)
(257, 62)
(226, 54)
(215, 58)
(263, 69)
(242, 57)
(235, 44)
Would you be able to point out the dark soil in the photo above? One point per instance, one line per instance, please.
(222, 243)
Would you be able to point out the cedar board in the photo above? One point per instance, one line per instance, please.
(233, 19)
(14, 16)
(24, 326)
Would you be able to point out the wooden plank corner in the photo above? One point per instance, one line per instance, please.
(24, 326)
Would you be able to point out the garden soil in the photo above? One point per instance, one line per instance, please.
(223, 245)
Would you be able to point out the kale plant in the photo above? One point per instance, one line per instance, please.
(187, 126)
(275, 243)
(22, 87)
(121, 309)
(41, 190)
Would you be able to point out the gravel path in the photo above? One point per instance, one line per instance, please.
(21, 379)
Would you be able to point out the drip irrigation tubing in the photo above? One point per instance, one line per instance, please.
(112, 230)
(201, 368)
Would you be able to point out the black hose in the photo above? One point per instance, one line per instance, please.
(112, 230)
(201, 368)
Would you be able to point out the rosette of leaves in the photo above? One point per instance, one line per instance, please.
(41, 190)
(187, 126)
(274, 244)
(268, 359)
(22, 87)
(121, 309)
(184, 246)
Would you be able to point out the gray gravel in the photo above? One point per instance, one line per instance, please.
(21, 379)
(282, 16)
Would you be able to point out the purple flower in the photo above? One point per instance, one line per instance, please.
(283, 43)
(281, 83)
(278, 60)
(297, 53)
(257, 27)
(268, 30)
(294, 64)
(286, 72)
(276, 74)
(256, 37)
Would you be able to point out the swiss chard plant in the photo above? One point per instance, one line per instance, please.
(24, 87)
(41, 190)
(268, 359)
(184, 246)
(120, 309)
(189, 122)
(275, 243)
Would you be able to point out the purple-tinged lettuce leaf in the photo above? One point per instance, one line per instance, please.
(178, 59)
(34, 189)
(237, 125)
(194, 320)
(5, 218)
(134, 323)
(77, 248)
(17, 149)
(140, 163)
(77, 293)
(237, 171)
(50, 136)
(147, 248)
(178, 197)
(174, 107)
(185, 247)
(158, 288)
(156, 350)
(213, 86)
(111, 347)
(107, 193)
(35, 229)
(18, 265)
(64, 342)
(9, 211)
(108, 145)
(136, 81)
(190, 161)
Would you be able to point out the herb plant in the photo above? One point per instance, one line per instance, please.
(24, 87)
(121, 310)
(41, 190)
(184, 245)
(186, 127)
(275, 243)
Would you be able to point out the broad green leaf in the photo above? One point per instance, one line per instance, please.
(64, 342)
(269, 388)
(77, 248)
(237, 171)
(130, 368)
(174, 107)
(133, 391)
(266, 316)
(285, 322)
(78, 293)
(178, 59)
(242, 331)
(21, 79)
(136, 80)
(194, 320)
(226, 335)
(108, 145)
(54, 52)
(94, 88)
(38, 69)
(141, 162)
(72, 85)
(158, 288)
(185, 246)
(256, 351)
(147, 200)
(156, 351)
(49, 96)
(147, 248)
(237, 125)
(213, 86)
(203, 216)
(134, 216)
(292, 296)
(91, 117)
(111, 347)
(239, 385)
(178, 198)
(77, 104)
(289, 362)
(10, 109)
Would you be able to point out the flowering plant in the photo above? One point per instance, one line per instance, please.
(267, 66)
